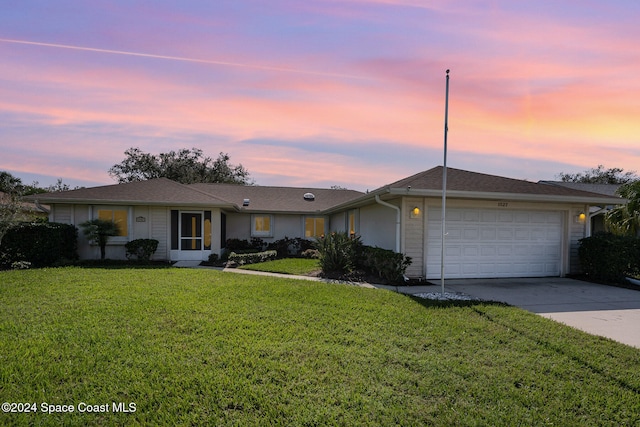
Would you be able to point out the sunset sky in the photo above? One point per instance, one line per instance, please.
(320, 92)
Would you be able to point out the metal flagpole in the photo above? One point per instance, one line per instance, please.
(444, 182)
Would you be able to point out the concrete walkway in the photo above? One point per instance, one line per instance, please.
(596, 309)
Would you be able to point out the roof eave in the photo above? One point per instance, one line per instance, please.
(524, 197)
(356, 203)
(54, 201)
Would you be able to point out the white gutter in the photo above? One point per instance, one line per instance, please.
(389, 205)
(521, 197)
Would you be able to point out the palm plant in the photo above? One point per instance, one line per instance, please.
(98, 231)
(625, 219)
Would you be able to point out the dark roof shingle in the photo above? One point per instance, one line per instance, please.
(278, 199)
(154, 191)
(461, 180)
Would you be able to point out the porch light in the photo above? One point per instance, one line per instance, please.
(415, 212)
(580, 217)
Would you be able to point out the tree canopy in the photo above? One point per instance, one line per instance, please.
(186, 166)
(600, 175)
(11, 191)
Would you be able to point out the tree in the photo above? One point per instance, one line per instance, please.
(99, 231)
(185, 166)
(600, 175)
(11, 191)
(625, 219)
(59, 186)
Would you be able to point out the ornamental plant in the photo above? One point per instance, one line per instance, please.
(98, 232)
(338, 252)
(141, 249)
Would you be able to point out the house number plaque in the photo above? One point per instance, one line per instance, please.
(503, 204)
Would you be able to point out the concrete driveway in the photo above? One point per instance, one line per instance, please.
(597, 309)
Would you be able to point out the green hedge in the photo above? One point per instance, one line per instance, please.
(609, 258)
(252, 258)
(386, 264)
(141, 249)
(41, 244)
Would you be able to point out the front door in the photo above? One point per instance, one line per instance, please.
(191, 235)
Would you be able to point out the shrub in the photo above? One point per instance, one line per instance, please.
(234, 245)
(608, 257)
(290, 247)
(386, 264)
(252, 258)
(338, 253)
(41, 244)
(311, 254)
(141, 249)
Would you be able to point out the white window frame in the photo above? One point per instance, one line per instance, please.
(314, 217)
(260, 233)
(115, 240)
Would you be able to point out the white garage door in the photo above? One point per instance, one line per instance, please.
(486, 243)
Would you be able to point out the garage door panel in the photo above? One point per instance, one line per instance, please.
(471, 216)
(453, 250)
(471, 234)
(488, 233)
(495, 243)
(552, 267)
(471, 251)
(537, 251)
(488, 251)
(505, 234)
(538, 268)
(504, 250)
(503, 217)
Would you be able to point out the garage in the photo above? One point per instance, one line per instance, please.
(488, 243)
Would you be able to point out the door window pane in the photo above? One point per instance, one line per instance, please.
(190, 231)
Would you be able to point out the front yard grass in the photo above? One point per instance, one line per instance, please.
(297, 266)
(202, 347)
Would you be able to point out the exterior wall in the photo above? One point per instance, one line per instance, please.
(159, 229)
(141, 223)
(286, 226)
(338, 222)
(62, 214)
(239, 226)
(577, 231)
(378, 226)
(413, 230)
(144, 223)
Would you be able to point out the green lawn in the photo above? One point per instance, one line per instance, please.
(202, 347)
(299, 266)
